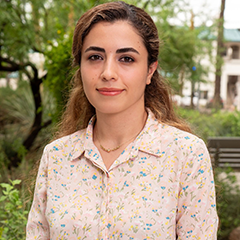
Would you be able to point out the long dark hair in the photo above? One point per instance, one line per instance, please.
(157, 94)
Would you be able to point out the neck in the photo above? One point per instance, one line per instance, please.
(114, 129)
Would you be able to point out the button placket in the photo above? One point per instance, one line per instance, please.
(104, 207)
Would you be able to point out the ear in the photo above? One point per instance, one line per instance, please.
(152, 68)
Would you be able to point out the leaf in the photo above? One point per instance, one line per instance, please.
(15, 182)
(3, 198)
(7, 186)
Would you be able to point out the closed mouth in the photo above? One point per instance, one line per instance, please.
(110, 91)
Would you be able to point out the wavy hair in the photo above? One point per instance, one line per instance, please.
(157, 94)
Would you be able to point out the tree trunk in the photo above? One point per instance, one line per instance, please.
(7, 65)
(181, 80)
(35, 83)
(219, 59)
(192, 80)
(192, 94)
(37, 124)
(36, 127)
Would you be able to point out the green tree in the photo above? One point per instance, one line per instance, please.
(44, 28)
(30, 29)
(13, 215)
(219, 60)
(182, 47)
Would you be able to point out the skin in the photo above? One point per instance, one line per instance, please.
(115, 72)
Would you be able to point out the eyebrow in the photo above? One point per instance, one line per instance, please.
(121, 50)
(124, 50)
(92, 48)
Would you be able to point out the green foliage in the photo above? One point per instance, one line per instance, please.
(58, 64)
(17, 110)
(218, 123)
(14, 25)
(178, 47)
(228, 204)
(228, 194)
(16, 117)
(229, 122)
(9, 147)
(58, 56)
(17, 105)
(46, 27)
(31, 25)
(181, 47)
(13, 216)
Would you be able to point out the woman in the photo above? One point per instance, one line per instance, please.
(123, 165)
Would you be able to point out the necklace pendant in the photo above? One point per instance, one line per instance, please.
(108, 150)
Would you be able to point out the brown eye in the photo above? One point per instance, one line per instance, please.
(95, 57)
(126, 59)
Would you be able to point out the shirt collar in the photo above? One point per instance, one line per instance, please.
(86, 136)
(147, 141)
(150, 137)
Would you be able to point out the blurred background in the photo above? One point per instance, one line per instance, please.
(199, 57)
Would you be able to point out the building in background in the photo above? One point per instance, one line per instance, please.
(230, 79)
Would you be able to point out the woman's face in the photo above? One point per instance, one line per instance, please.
(114, 68)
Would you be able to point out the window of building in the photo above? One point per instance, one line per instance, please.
(235, 52)
(224, 52)
(203, 94)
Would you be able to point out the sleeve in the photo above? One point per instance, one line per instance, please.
(37, 225)
(197, 215)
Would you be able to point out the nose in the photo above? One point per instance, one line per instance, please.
(109, 71)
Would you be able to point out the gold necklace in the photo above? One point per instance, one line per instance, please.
(108, 150)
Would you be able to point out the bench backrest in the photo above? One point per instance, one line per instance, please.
(224, 151)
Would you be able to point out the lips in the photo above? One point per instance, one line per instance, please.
(110, 91)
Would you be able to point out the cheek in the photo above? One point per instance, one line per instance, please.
(89, 74)
(89, 84)
(85, 81)
(88, 91)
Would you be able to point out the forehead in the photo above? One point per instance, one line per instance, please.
(118, 34)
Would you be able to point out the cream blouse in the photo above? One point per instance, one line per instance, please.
(160, 187)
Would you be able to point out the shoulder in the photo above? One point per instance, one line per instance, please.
(180, 141)
(179, 136)
(162, 138)
(67, 143)
(165, 134)
(187, 149)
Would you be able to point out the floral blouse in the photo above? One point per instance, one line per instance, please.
(160, 187)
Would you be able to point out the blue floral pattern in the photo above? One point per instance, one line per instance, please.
(160, 187)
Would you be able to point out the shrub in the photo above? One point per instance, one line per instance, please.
(13, 216)
(228, 204)
(212, 124)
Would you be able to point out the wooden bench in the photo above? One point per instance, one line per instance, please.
(224, 151)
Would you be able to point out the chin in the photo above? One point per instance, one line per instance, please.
(106, 109)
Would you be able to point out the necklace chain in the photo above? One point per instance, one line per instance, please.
(108, 150)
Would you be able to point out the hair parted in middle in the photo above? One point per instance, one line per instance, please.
(157, 94)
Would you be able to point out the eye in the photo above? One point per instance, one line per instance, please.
(95, 57)
(126, 59)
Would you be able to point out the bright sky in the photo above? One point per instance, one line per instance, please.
(212, 8)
